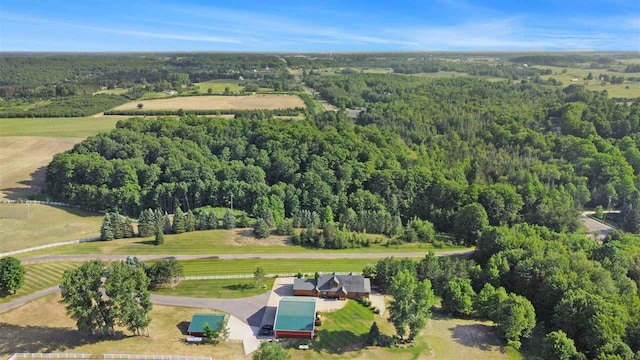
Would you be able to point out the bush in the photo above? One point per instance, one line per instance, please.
(285, 228)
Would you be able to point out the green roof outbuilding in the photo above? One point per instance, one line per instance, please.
(196, 327)
(295, 317)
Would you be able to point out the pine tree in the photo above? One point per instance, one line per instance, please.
(190, 222)
(229, 220)
(261, 229)
(179, 222)
(117, 225)
(374, 335)
(159, 237)
(166, 224)
(143, 224)
(106, 230)
(128, 228)
(212, 220)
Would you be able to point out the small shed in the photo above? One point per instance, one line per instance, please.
(295, 318)
(196, 327)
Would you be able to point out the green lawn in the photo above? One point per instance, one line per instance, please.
(219, 86)
(56, 127)
(236, 241)
(272, 266)
(220, 289)
(39, 277)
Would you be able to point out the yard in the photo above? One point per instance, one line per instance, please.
(43, 326)
(250, 102)
(219, 86)
(272, 266)
(219, 289)
(39, 277)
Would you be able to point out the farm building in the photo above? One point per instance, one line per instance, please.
(295, 318)
(333, 286)
(196, 327)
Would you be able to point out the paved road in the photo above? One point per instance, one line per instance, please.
(249, 310)
(598, 230)
(310, 255)
(25, 299)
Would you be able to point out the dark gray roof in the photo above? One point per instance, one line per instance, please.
(332, 282)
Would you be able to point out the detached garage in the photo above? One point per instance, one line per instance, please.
(295, 318)
(196, 327)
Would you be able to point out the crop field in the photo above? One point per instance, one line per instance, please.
(236, 241)
(23, 226)
(43, 326)
(39, 277)
(23, 161)
(248, 266)
(218, 289)
(250, 102)
(78, 127)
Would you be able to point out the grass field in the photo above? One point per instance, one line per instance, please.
(617, 90)
(219, 289)
(39, 277)
(23, 160)
(43, 326)
(48, 224)
(251, 102)
(272, 266)
(236, 241)
(219, 86)
(77, 127)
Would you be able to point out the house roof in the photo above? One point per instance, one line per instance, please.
(198, 321)
(333, 282)
(295, 314)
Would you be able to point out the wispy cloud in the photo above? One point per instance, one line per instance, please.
(114, 30)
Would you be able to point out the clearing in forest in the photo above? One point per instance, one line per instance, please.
(251, 102)
(23, 160)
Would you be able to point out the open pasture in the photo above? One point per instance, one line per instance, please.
(23, 226)
(250, 102)
(23, 161)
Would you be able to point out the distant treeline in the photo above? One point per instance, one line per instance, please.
(561, 60)
(80, 105)
(263, 114)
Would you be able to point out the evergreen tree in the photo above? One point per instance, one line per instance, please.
(631, 218)
(190, 222)
(261, 229)
(159, 237)
(127, 227)
(211, 220)
(106, 230)
(179, 222)
(146, 226)
(373, 338)
(167, 227)
(229, 220)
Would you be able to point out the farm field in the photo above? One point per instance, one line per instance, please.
(77, 127)
(271, 266)
(250, 102)
(219, 289)
(23, 160)
(39, 277)
(48, 224)
(236, 241)
(43, 326)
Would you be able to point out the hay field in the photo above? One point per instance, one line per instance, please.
(23, 160)
(79, 127)
(43, 326)
(48, 224)
(251, 102)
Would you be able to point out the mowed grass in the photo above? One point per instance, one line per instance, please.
(219, 289)
(272, 266)
(43, 326)
(48, 224)
(219, 86)
(39, 277)
(248, 102)
(625, 90)
(77, 127)
(219, 242)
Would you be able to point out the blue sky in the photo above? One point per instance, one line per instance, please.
(249, 25)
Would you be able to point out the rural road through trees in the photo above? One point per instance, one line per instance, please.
(598, 230)
(323, 255)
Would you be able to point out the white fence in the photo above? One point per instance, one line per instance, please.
(50, 356)
(250, 276)
(41, 247)
(153, 357)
